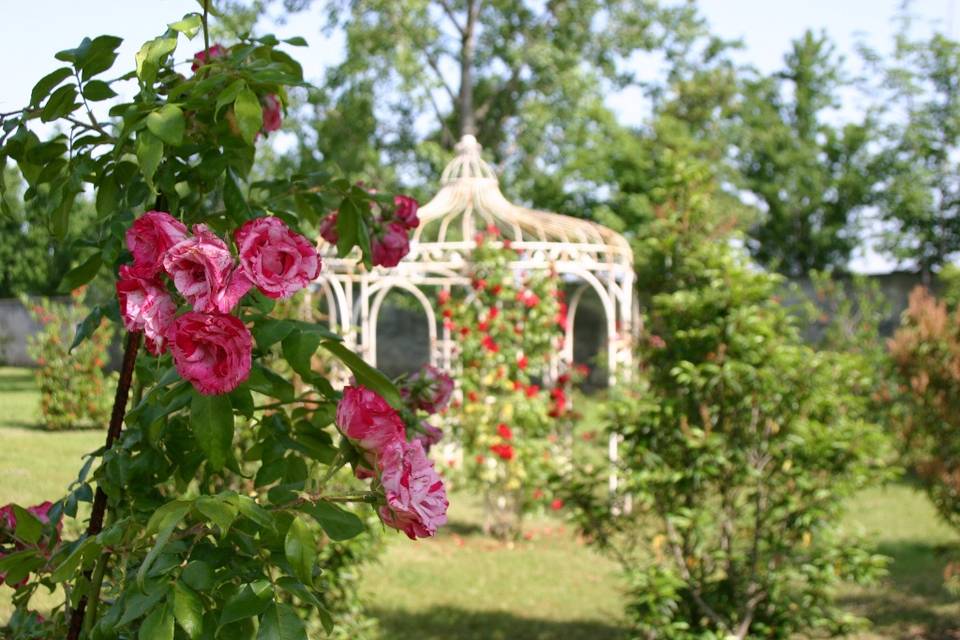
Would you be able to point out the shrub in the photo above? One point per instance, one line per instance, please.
(74, 391)
(739, 446)
(926, 354)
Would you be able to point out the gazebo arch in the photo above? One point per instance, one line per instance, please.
(582, 252)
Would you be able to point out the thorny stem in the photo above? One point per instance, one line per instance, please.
(100, 499)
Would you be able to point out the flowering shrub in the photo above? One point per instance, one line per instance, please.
(73, 386)
(508, 330)
(221, 482)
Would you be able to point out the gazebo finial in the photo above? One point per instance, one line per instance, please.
(467, 163)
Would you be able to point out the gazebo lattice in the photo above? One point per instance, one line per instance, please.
(588, 256)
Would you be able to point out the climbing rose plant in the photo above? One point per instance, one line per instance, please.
(217, 492)
(508, 327)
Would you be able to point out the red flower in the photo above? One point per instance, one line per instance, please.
(522, 363)
(493, 312)
(479, 284)
(492, 230)
(464, 331)
(200, 58)
(489, 344)
(537, 494)
(557, 504)
(532, 391)
(448, 313)
(504, 431)
(517, 385)
(443, 297)
(472, 396)
(483, 326)
(528, 298)
(479, 459)
(503, 451)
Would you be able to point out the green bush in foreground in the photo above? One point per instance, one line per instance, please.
(740, 445)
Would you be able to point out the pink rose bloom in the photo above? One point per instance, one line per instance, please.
(406, 211)
(328, 228)
(204, 272)
(277, 260)
(368, 421)
(213, 352)
(430, 389)
(149, 237)
(200, 57)
(272, 115)
(390, 245)
(416, 499)
(146, 306)
(431, 435)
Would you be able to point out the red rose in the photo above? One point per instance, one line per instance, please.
(390, 245)
(504, 431)
(277, 260)
(368, 421)
(146, 306)
(489, 344)
(205, 273)
(149, 237)
(272, 113)
(503, 451)
(557, 504)
(415, 495)
(212, 351)
(405, 211)
(200, 57)
(328, 228)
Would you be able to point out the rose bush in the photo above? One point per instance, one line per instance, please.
(218, 496)
(509, 328)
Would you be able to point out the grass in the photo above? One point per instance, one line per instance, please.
(467, 586)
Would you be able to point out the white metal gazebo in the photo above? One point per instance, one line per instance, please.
(587, 255)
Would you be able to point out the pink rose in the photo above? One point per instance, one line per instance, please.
(213, 352)
(200, 57)
(204, 272)
(368, 421)
(390, 245)
(146, 306)
(416, 499)
(430, 389)
(431, 435)
(277, 260)
(149, 237)
(406, 211)
(328, 228)
(272, 116)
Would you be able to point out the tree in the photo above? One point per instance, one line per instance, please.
(919, 193)
(810, 177)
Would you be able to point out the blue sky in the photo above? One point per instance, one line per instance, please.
(31, 32)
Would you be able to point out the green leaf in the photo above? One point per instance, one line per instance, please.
(338, 523)
(149, 155)
(150, 56)
(158, 625)
(189, 26)
(188, 610)
(217, 510)
(29, 528)
(167, 123)
(97, 90)
(291, 586)
(61, 102)
(365, 374)
(300, 548)
(173, 511)
(97, 55)
(87, 326)
(233, 200)
(68, 567)
(348, 225)
(251, 600)
(296, 41)
(253, 511)
(229, 95)
(281, 622)
(270, 383)
(298, 349)
(167, 526)
(108, 195)
(249, 114)
(82, 273)
(269, 331)
(212, 420)
(46, 84)
(198, 575)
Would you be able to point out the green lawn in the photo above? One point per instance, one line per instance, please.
(467, 586)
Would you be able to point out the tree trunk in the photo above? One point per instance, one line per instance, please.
(468, 125)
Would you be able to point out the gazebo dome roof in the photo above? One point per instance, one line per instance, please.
(470, 201)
